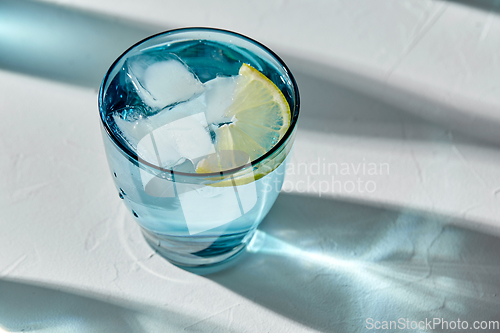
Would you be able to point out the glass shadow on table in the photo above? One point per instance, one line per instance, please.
(339, 266)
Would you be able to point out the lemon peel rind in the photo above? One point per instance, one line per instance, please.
(244, 107)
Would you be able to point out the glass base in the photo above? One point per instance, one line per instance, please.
(199, 254)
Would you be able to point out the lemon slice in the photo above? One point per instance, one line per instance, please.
(260, 117)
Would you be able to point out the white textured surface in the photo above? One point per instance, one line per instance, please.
(409, 86)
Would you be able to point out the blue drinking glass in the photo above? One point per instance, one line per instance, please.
(197, 221)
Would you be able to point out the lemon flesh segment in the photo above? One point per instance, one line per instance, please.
(260, 117)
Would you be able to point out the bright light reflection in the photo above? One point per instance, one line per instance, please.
(392, 281)
(4, 331)
(264, 243)
(397, 284)
(377, 276)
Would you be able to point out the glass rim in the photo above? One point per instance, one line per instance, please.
(294, 109)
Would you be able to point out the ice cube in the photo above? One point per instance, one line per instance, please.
(161, 80)
(187, 167)
(136, 128)
(157, 149)
(157, 186)
(175, 141)
(190, 136)
(219, 96)
(131, 130)
(181, 110)
(201, 205)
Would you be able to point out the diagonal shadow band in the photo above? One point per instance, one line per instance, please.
(339, 100)
(332, 265)
(62, 43)
(487, 5)
(77, 47)
(26, 306)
